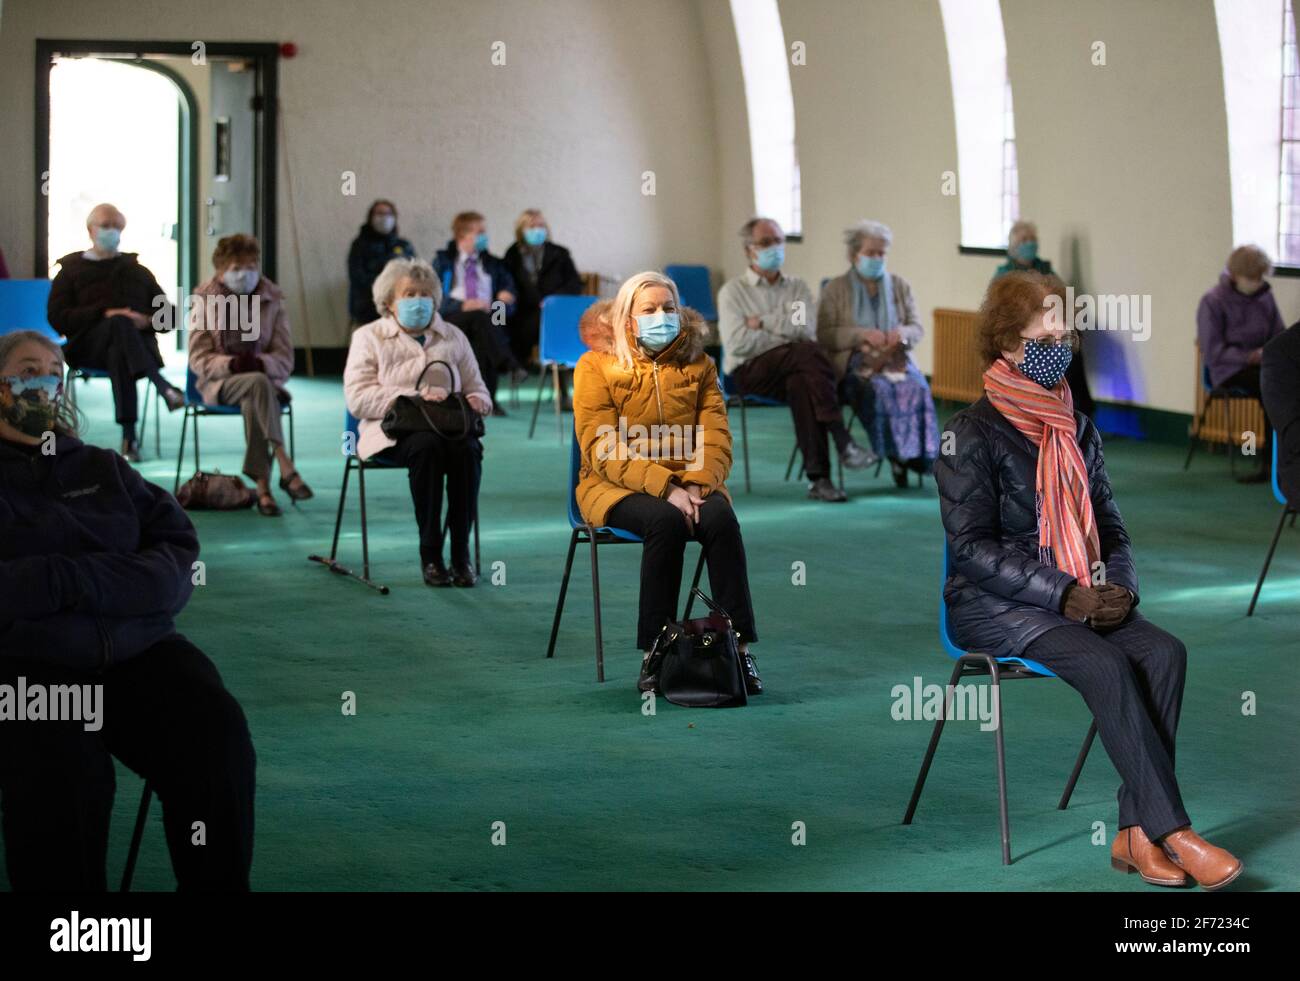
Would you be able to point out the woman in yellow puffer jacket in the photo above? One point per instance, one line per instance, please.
(656, 449)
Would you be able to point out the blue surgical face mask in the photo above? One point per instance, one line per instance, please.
(773, 257)
(414, 312)
(240, 280)
(1027, 252)
(870, 267)
(481, 242)
(657, 330)
(534, 236)
(33, 404)
(106, 238)
(1046, 365)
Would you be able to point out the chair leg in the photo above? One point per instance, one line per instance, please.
(338, 518)
(137, 835)
(930, 750)
(144, 414)
(1268, 559)
(559, 402)
(564, 589)
(1195, 435)
(180, 454)
(595, 600)
(197, 466)
(293, 443)
(157, 423)
(695, 584)
(1005, 820)
(365, 530)
(1078, 766)
(537, 406)
(744, 442)
(789, 467)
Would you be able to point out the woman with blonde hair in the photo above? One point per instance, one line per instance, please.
(651, 424)
(541, 268)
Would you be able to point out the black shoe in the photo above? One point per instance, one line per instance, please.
(267, 507)
(901, 478)
(498, 411)
(131, 450)
(753, 683)
(822, 489)
(519, 375)
(174, 398)
(649, 679)
(297, 491)
(463, 576)
(436, 574)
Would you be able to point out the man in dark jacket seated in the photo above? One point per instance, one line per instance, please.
(478, 296)
(1280, 383)
(1041, 567)
(104, 302)
(95, 564)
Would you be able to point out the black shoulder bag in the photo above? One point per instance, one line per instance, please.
(699, 661)
(452, 418)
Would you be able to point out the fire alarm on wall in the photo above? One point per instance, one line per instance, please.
(288, 49)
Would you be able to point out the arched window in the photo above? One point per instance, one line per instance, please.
(1260, 90)
(770, 105)
(988, 178)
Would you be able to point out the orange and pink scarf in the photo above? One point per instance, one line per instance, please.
(1067, 527)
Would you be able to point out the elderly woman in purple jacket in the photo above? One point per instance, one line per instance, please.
(95, 564)
(1233, 323)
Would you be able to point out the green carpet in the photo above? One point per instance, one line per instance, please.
(461, 722)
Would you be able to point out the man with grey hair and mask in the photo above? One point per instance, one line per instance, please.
(103, 300)
(767, 322)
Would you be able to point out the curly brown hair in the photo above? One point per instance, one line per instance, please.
(235, 248)
(1012, 301)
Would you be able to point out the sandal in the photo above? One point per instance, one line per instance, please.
(267, 507)
(298, 491)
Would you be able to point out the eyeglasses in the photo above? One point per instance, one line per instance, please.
(1069, 339)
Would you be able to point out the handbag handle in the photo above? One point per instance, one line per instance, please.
(450, 373)
(696, 591)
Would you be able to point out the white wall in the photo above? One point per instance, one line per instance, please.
(404, 93)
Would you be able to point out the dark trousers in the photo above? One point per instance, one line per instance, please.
(525, 331)
(800, 374)
(665, 533)
(490, 343)
(1132, 679)
(167, 716)
(126, 352)
(431, 460)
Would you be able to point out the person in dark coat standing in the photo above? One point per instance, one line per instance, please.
(1234, 320)
(376, 243)
(478, 296)
(540, 268)
(1040, 566)
(107, 305)
(1280, 384)
(95, 566)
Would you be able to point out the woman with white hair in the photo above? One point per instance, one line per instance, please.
(647, 372)
(410, 350)
(868, 323)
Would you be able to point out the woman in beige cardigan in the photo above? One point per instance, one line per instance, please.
(867, 321)
(241, 351)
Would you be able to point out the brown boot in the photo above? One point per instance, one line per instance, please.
(1132, 851)
(1209, 865)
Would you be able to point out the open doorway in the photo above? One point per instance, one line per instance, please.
(181, 136)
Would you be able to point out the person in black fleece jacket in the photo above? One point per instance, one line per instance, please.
(95, 564)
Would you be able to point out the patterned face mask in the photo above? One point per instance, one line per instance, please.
(1046, 363)
(30, 405)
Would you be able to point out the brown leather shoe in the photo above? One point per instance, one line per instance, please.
(1209, 865)
(1132, 851)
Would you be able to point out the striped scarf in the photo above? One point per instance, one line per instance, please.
(1067, 528)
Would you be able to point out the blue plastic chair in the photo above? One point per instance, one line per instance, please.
(1288, 510)
(23, 304)
(694, 288)
(559, 345)
(1213, 393)
(998, 669)
(596, 536)
(195, 408)
(351, 462)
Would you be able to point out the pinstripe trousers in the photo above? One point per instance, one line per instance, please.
(1132, 679)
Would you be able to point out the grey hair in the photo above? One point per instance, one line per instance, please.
(747, 229)
(1022, 231)
(397, 270)
(68, 420)
(863, 230)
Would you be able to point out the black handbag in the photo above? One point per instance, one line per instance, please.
(452, 418)
(698, 661)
